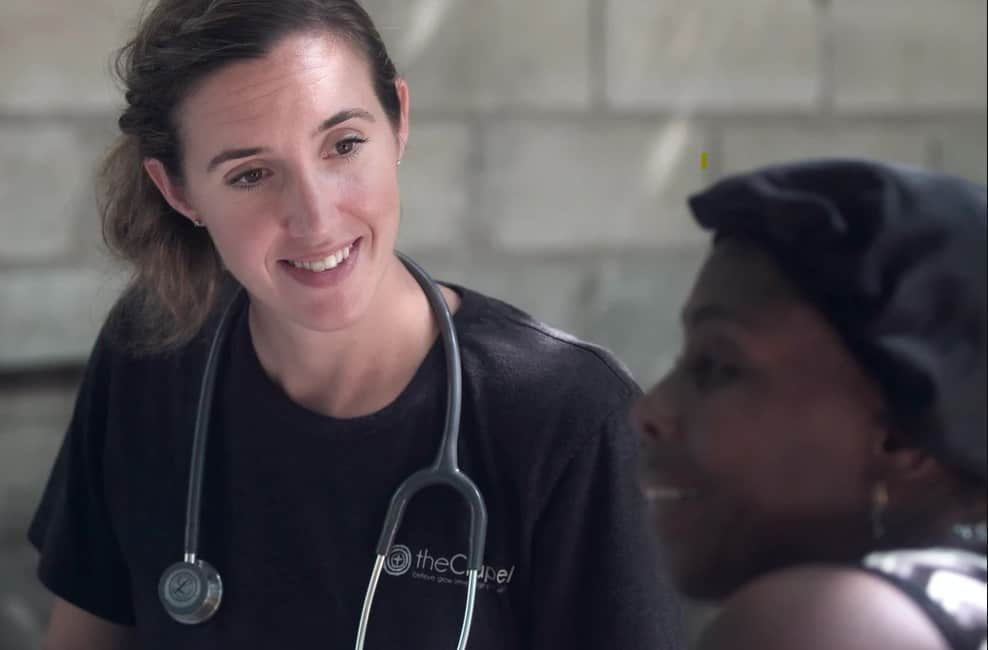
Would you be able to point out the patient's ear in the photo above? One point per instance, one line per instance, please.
(911, 473)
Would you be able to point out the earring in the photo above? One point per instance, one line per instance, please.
(399, 163)
(198, 224)
(879, 504)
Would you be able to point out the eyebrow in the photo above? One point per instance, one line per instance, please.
(343, 116)
(338, 118)
(232, 154)
(710, 312)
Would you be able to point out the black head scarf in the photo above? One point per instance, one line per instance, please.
(895, 257)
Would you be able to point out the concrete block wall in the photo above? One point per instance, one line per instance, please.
(552, 146)
(554, 139)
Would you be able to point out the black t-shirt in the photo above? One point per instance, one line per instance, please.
(293, 501)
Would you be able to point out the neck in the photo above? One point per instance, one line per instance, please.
(357, 370)
(953, 525)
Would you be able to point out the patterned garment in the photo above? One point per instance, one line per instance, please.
(950, 586)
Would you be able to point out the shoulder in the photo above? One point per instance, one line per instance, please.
(821, 608)
(537, 355)
(121, 366)
(543, 397)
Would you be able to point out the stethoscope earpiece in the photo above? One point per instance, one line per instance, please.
(190, 591)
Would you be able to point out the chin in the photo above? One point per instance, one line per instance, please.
(706, 588)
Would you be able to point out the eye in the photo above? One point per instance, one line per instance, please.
(248, 179)
(706, 372)
(348, 146)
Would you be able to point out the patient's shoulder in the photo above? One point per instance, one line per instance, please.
(821, 608)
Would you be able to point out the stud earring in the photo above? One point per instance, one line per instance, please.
(198, 224)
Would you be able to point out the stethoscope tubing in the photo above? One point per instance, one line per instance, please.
(203, 412)
(444, 471)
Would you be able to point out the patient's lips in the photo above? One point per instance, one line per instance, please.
(676, 511)
(669, 493)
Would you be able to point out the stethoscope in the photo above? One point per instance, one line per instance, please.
(191, 590)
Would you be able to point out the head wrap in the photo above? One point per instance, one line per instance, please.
(895, 257)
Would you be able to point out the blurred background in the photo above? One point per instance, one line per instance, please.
(553, 144)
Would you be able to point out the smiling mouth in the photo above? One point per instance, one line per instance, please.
(326, 263)
(664, 493)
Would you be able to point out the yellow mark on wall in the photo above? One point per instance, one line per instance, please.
(703, 160)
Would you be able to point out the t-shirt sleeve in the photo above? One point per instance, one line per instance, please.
(81, 561)
(597, 582)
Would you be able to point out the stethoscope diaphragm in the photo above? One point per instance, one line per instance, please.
(191, 591)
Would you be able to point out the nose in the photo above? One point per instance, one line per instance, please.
(655, 414)
(311, 207)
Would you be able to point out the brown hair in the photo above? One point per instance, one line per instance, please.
(177, 271)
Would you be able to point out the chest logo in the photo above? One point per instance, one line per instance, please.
(399, 560)
(422, 564)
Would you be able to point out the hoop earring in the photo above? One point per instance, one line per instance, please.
(879, 504)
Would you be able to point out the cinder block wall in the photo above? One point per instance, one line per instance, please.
(552, 145)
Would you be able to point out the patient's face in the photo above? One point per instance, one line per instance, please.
(759, 441)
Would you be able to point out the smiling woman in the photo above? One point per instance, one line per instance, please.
(199, 162)
(259, 149)
(290, 210)
(818, 453)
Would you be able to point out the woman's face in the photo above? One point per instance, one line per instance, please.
(760, 440)
(290, 162)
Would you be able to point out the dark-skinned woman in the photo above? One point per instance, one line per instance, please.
(816, 457)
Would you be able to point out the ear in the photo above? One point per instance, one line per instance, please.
(171, 191)
(908, 470)
(401, 87)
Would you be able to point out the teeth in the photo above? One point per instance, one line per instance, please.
(327, 263)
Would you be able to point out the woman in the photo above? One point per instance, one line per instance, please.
(817, 456)
(261, 140)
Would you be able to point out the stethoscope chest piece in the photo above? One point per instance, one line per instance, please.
(190, 591)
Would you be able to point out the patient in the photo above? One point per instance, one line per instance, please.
(816, 459)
